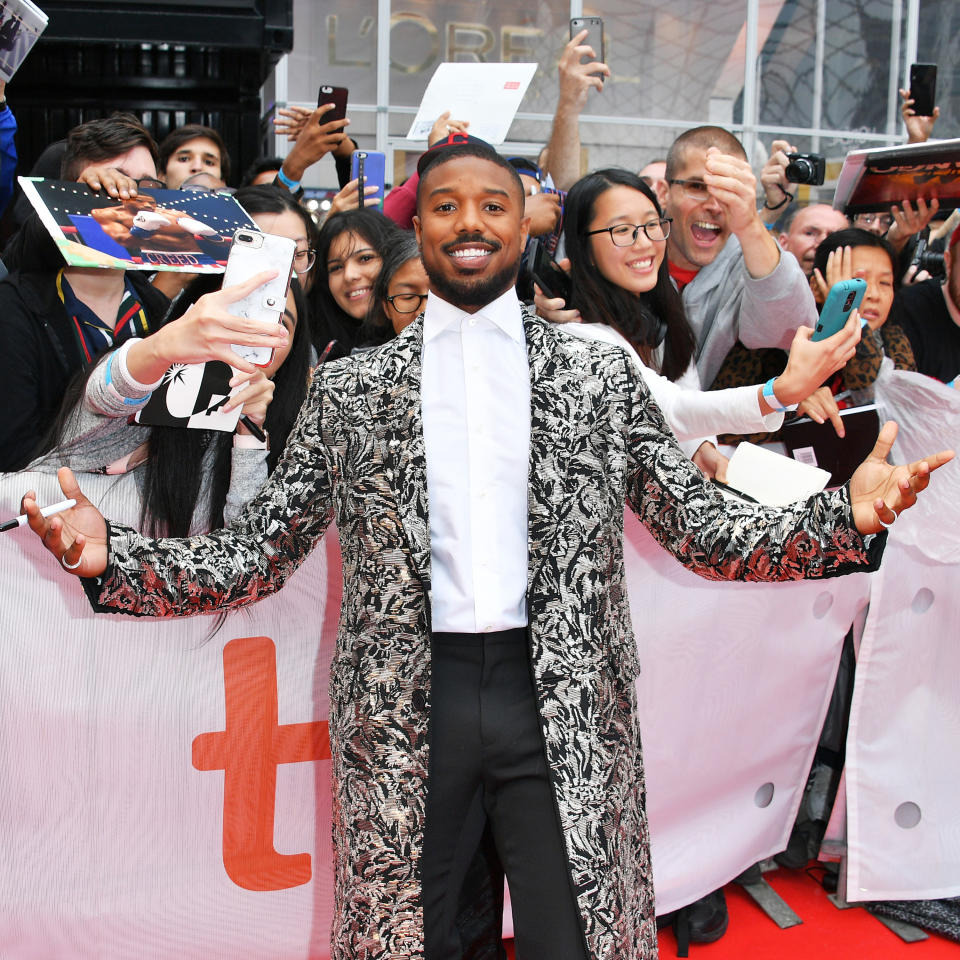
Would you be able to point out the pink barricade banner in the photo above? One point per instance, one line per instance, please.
(903, 748)
(734, 685)
(166, 783)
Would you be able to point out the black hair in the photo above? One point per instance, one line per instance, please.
(643, 319)
(377, 328)
(446, 153)
(328, 321)
(31, 249)
(267, 198)
(176, 468)
(102, 139)
(175, 139)
(854, 237)
(174, 472)
(291, 381)
(260, 165)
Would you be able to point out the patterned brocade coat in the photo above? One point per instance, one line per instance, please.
(357, 453)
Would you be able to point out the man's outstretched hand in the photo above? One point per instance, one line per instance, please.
(77, 534)
(880, 491)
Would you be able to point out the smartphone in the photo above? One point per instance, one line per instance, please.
(548, 276)
(371, 165)
(335, 95)
(594, 37)
(923, 88)
(253, 252)
(843, 297)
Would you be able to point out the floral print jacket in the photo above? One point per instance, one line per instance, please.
(357, 454)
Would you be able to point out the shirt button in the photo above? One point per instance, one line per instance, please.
(473, 321)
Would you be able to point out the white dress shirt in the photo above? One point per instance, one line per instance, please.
(476, 428)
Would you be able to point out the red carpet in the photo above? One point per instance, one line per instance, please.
(825, 934)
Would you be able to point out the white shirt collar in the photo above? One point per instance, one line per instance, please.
(504, 313)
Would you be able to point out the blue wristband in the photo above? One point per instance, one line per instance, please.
(292, 185)
(771, 398)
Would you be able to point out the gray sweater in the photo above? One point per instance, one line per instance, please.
(725, 304)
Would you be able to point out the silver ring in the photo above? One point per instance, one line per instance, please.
(887, 526)
(70, 566)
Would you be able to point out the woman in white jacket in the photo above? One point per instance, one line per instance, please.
(615, 237)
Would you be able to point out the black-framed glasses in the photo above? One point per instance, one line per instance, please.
(694, 189)
(625, 234)
(406, 302)
(303, 260)
(150, 183)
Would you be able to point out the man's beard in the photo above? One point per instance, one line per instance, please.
(472, 291)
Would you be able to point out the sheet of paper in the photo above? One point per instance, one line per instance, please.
(771, 477)
(486, 94)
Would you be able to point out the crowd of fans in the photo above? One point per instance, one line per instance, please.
(708, 275)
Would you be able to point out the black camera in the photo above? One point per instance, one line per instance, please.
(806, 168)
(930, 260)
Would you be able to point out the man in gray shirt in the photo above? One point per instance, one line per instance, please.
(736, 282)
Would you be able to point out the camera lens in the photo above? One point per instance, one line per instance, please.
(805, 168)
(244, 237)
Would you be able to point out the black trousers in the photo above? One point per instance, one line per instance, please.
(488, 773)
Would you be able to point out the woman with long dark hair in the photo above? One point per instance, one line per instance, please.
(276, 211)
(398, 293)
(350, 252)
(189, 480)
(615, 235)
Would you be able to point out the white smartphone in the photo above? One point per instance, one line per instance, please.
(252, 252)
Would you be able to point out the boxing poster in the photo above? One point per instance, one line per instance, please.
(177, 230)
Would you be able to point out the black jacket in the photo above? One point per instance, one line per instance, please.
(39, 355)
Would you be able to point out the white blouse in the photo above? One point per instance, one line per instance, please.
(694, 414)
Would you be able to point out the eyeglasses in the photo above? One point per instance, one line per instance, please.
(303, 260)
(694, 189)
(869, 219)
(625, 234)
(206, 183)
(406, 302)
(150, 183)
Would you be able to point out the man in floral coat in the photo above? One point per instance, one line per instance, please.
(477, 468)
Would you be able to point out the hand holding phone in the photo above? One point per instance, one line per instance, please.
(335, 95)
(369, 167)
(923, 88)
(252, 252)
(594, 38)
(843, 298)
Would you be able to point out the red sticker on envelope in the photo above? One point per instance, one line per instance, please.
(512, 85)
